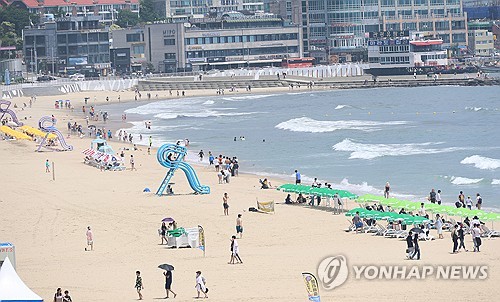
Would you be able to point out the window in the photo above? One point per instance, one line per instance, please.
(137, 49)
(168, 41)
(170, 56)
(61, 39)
(134, 37)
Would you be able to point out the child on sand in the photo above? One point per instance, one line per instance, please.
(201, 284)
(47, 166)
(138, 284)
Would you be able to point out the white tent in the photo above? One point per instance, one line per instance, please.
(12, 288)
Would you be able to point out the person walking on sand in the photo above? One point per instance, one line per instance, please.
(150, 141)
(235, 249)
(200, 154)
(439, 226)
(132, 163)
(58, 296)
(67, 297)
(454, 238)
(201, 285)
(387, 189)
(416, 247)
(225, 205)
(138, 284)
(409, 246)
(476, 237)
(461, 236)
(90, 240)
(239, 226)
(479, 201)
(47, 166)
(168, 283)
(163, 233)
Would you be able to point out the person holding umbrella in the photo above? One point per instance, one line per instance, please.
(416, 247)
(168, 283)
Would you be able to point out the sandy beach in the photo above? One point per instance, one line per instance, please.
(46, 220)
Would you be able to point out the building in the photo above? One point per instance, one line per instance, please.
(184, 9)
(107, 10)
(399, 52)
(481, 43)
(229, 40)
(337, 27)
(482, 9)
(67, 45)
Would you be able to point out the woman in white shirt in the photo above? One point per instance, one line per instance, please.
(200, 284)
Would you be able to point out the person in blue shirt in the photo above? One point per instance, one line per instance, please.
(297, 177)
(210, 158)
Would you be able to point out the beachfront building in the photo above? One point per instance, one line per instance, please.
(481, 43)
(405, 53)
(482, 9)
(337, 29)
(230, 40)
(67, 45)
(183, 10)
(107, 10)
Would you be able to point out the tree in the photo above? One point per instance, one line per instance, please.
(127, 18)
(147, 11)
(18, 16)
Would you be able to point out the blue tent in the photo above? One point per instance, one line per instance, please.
(12, 288)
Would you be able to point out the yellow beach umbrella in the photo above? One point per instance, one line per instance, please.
(36, 132)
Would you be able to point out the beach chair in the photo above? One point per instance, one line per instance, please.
(369, 228)
(351, 227)
(489, 233)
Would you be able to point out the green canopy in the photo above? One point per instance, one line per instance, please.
(307, 190)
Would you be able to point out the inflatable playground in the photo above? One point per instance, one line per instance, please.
(171, 157)
(102, 156)
(47, 135)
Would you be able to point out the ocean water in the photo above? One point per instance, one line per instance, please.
(444, 138)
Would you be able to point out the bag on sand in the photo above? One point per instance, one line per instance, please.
(206, 290)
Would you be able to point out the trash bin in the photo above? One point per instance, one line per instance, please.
(7, 249)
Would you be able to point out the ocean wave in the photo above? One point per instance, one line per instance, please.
(476, 109)
(248, 97)
(202, 114)
(457, 180)
(495, 182)
(480, 162)
(208, 102)
(371, 151)
(305, 124)
(342, 107)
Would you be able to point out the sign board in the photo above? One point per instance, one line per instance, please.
(389, 34)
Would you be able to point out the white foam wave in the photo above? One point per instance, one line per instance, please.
(481, 162)
(247, 97)
(342, 107)
(371, 151)
(305, 124)
(203, 114)
(495, 182)
(208, 103)
(464, 180)
(476, 109)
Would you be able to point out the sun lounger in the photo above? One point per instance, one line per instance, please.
(489, 233)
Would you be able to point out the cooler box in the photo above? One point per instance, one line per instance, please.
(7, 250)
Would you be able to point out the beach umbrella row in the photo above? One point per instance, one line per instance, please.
(390, 216)
(432, 207)
(308, 190)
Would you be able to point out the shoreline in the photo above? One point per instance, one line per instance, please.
(47, 220)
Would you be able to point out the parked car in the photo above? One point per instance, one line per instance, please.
(45, 78)
(77, 77)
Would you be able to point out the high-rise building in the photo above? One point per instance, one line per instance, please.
(178, 9)
(339, 27)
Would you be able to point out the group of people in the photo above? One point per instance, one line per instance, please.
(60, 297)
(225, 166)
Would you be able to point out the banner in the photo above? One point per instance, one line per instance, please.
(267, 207)
(311, 287)
(201, 233)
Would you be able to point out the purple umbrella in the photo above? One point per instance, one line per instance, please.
(168, 219)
